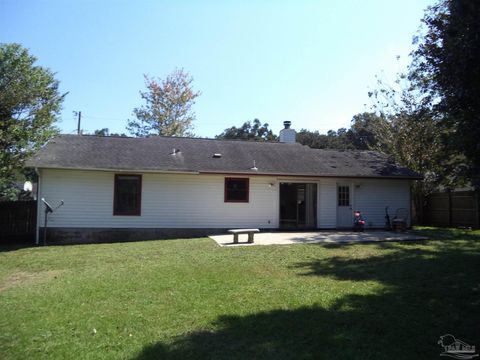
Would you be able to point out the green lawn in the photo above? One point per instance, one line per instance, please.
(181, 299)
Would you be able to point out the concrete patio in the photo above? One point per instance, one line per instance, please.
(321, 237)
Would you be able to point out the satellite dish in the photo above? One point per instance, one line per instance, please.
(27, 186)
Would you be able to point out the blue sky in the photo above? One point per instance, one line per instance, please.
(310, 62)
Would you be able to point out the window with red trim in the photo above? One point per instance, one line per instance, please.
(127, 196)
(236, 189)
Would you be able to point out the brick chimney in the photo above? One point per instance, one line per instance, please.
(287, 135)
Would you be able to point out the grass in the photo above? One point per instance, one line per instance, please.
(192, 299)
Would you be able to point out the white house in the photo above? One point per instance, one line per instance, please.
(118, 188)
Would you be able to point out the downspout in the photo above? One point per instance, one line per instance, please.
(317, 205)
(412, 207)
(37, 223)
(352, 201)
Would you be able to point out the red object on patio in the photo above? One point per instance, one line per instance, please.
(358, 222)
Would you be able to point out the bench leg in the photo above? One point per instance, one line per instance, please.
(250, 238)
(235, 238)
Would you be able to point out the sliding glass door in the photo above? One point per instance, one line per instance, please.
(298, 205)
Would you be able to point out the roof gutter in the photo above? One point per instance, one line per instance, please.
(122, 170)
(244, 173)
(256, 173)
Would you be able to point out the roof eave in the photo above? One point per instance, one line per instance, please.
(260, 173)
(130, 170)
(223, 172)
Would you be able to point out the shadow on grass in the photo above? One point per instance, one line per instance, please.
(447, 233)
(15, 246)
(425, 292)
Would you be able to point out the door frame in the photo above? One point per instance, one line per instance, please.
(315, 203)
(351, 201)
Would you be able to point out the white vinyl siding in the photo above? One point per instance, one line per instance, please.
(327, 204)
(369, 196)
(372, 196)
(197, 201)
(168, 201)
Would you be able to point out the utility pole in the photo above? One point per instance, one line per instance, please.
(79, 120)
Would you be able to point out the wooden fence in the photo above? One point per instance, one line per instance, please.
(17, 221)
(454, 209)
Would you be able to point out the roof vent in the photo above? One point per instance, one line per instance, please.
(254, 168)
(217, 155)
(175, 151)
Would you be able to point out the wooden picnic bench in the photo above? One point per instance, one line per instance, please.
(250, 233)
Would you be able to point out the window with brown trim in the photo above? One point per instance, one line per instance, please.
(127, 195)
(236, 189)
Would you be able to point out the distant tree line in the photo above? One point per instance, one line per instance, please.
(106, 132)
(255, 131)
(363, 134)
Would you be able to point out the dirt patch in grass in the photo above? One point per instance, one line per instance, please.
(27, 278)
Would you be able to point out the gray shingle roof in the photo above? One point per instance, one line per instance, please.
(197, 155)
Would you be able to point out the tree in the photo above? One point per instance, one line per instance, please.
(106, 132)
(30, 103)
(102, 132)
(168, 106)
(338, 140)
(447, 66)
(412, 136)
(249, 131)
(367, 131)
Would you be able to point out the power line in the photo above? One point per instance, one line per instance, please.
(79, 115)
(102, 118)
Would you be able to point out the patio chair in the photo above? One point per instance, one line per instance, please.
(399, 222)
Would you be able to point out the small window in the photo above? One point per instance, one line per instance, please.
(343, 196)
(127, 194)
(236, 189)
